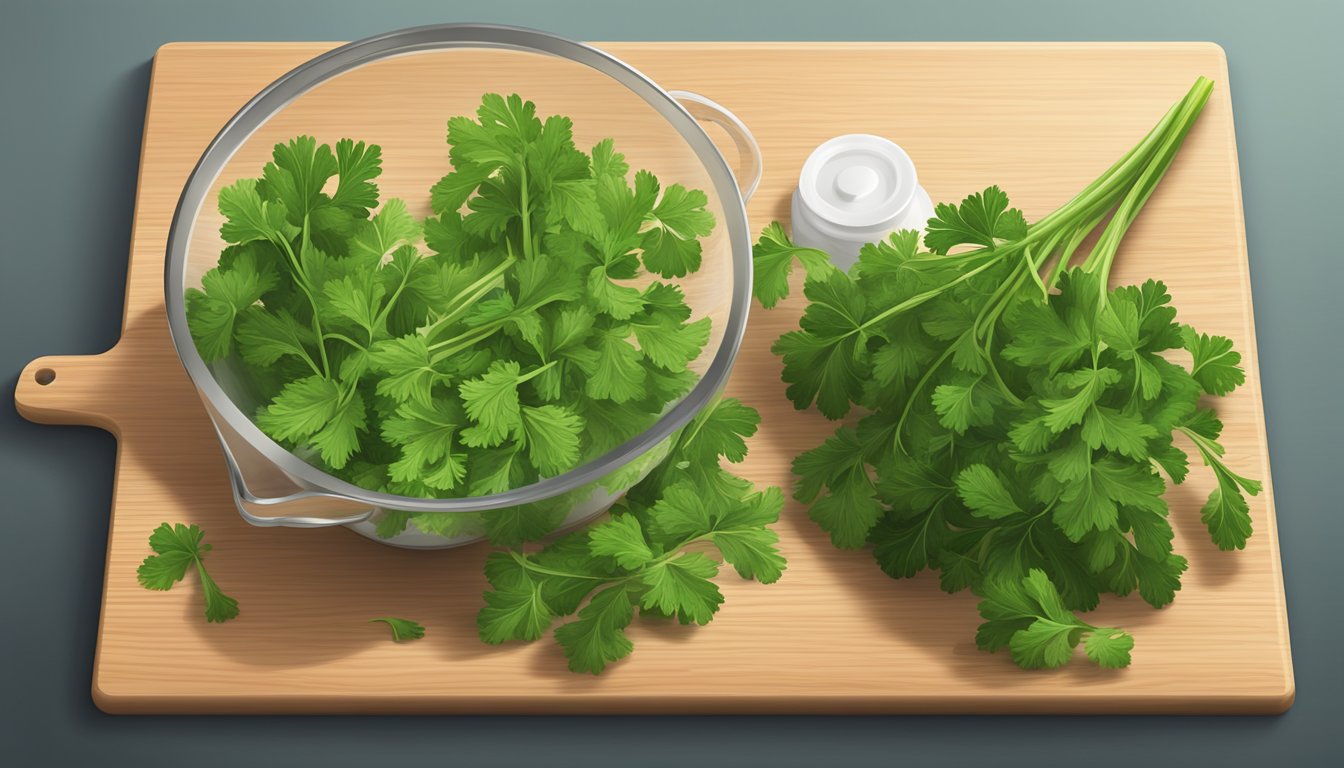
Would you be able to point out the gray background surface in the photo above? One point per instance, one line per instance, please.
(73, 81)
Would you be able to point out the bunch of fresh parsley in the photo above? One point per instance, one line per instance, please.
(1015, 412)
(528, 340)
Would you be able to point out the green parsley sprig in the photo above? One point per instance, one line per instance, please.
(1015, 412)
(649, 555)
(178, 547)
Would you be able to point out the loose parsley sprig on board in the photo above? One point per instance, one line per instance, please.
(1015, 412)
(650, 555)
(178, 547)
(527, 341)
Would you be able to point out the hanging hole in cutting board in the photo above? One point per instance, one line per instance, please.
(44, 376)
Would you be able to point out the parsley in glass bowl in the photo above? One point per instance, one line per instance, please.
(458, 282)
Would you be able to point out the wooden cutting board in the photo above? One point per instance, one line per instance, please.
(834, 635)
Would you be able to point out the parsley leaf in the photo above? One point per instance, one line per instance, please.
(304, 407)
(491, 401)
(985, 493)
(670, 246)
(402, 629)
(824, 362)
(248, 217)
(357, 165)
(773, 257)
(178, 548)
(226, 294)
(982, 219)
(551, 434)
(428, 438)
(1028, 617)
(597, 637)
(1215, 363)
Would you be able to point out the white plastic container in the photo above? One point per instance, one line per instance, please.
(856, 189)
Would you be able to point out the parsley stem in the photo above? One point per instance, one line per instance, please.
(470, 295)
(905, 411)
(531, 565)
(464, 340)
(1007, 287)
(1206, 446)
(307, 358)
(1131, 179)
(342, 337)
(1115, 177)
(387, 308)
(1143, 187)
(536, 372)
(1066, 255)
(526, 208)
(301, 279)
(920, 298)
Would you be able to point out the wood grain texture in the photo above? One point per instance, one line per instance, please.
(834, 635)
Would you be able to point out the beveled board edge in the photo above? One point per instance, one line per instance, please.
(80, 398)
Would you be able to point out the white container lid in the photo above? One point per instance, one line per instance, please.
(858, 181)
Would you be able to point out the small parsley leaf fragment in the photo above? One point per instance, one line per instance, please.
(402, 629)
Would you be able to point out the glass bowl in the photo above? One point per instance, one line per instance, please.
(398, 91)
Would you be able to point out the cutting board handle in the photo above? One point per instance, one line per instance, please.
(69, 389)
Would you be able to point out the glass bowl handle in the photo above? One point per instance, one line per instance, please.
(268, 498)
(260, 510)
(748, 172)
